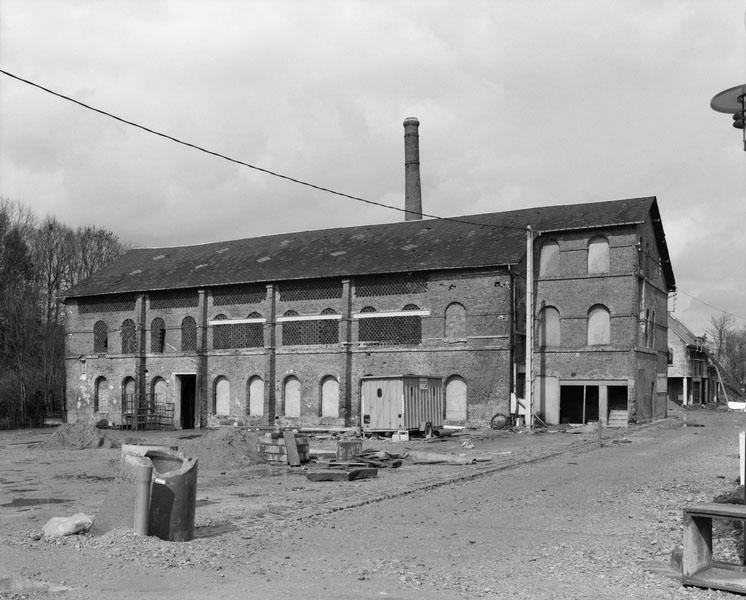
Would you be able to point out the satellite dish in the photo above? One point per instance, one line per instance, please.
(730, 101)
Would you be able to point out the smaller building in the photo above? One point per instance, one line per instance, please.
(691, 376)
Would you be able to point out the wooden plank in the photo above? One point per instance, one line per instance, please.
(292, 449)
(714, 509)
(719, 578)
(341, 474)
(328, 475)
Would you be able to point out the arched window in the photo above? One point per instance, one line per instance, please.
(291, 330)
(652, 330)
(549, 259)
(291, 396)
(646, 327)
(598, 256)
(188, 334)
(456, 399)
(548, 331)
(100, 337)
(128, 395)
(328, 328)
(101, 395)
(252, 334)
(129, 337)
(599, 325)
(157, 335)
(222, 396)
(455, 326)
(330, 397)
(221, 335)
(410, 330)
(255, 404)
(160, 391)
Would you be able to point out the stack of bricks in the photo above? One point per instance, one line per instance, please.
(272, 448)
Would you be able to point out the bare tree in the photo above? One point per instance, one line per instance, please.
(719, 330)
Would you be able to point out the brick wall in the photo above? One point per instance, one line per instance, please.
(479, 352)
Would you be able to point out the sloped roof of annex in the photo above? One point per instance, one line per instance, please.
(473, 241)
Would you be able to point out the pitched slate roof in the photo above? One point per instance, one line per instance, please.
(682, 331)
(490, 239)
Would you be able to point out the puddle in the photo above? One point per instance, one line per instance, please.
(243, 495)
(19, 502)
(23, 490)
(25, 584)
(190, 436)
(209, 531)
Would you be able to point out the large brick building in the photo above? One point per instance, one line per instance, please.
(285, 326)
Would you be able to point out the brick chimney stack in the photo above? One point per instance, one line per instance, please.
(412, 188)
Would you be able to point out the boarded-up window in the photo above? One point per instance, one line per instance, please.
(188, 334)
(548, 332)
(599, 326)
(100, 337)
(160, 391)
(456, 399)
(549, 259)
(157, 335)
(330, 397)
(598, 256)
(292, 397)
(101, 395)
(255, 405)
(222, 396)
(455, 321)
(129, 337)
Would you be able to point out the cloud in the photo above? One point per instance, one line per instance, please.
(520, 103)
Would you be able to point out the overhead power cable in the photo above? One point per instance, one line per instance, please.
(249, 165)
(718, 308)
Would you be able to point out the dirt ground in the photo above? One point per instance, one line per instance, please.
(549, 515)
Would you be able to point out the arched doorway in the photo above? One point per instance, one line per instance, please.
(222, 396)
(456, 399)
(330, 397)
(256, 397)
(292, 397)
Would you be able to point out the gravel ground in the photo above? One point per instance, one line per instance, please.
(550, 516)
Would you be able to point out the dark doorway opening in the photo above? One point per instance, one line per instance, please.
(188, 386)
(579, 403)
(617, 397)
(571, 404)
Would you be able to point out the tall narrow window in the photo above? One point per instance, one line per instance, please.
(598, 256)
(330, 397)
(101, 395)
(255, 405)
(599, 325)
(455, 327)
(221, 334)
(549, 259)
(129, 337)
(548, 332)
(100, 337)
(188, 334)
(157, 335)
(222, 396)
(292, 397)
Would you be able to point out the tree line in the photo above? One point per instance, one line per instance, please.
(40, 259)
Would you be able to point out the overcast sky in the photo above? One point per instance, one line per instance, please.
(521, 103)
